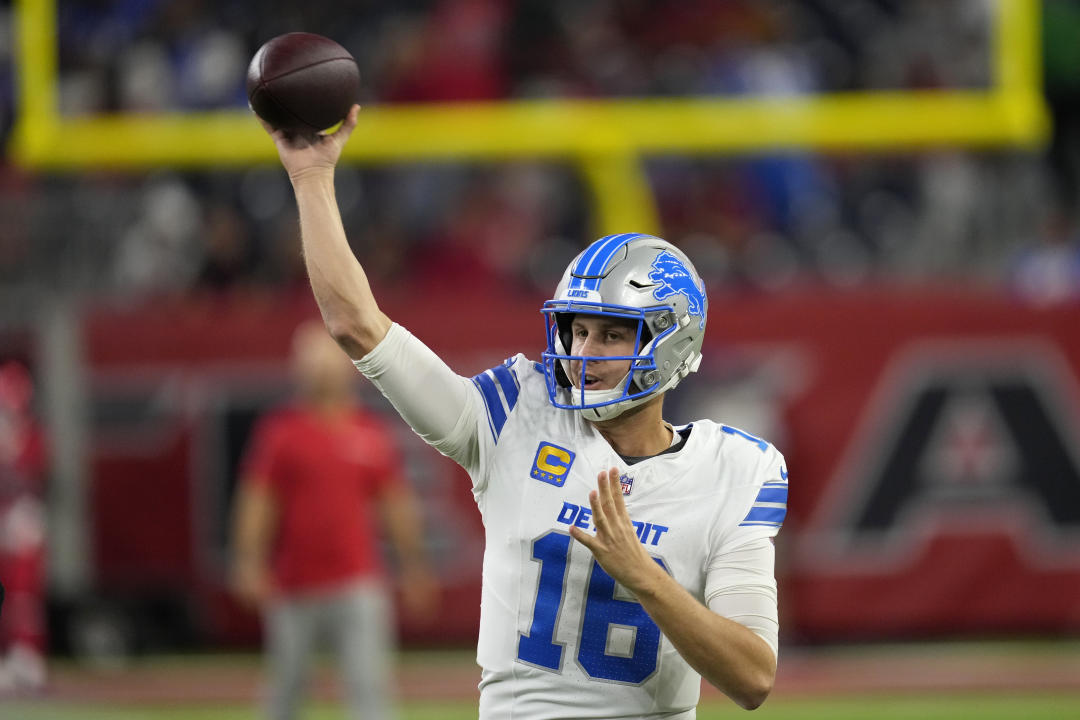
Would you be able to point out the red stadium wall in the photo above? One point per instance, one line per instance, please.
(931, 435)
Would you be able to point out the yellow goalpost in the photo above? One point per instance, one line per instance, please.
(605, 138)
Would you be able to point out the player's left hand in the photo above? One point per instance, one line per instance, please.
(615, 544)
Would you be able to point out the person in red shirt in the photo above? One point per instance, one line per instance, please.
(23, 464)
(317, 478)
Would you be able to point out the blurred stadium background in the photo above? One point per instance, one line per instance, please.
(883, 196)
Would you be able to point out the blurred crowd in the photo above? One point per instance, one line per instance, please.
(761, 222)
(160, 54)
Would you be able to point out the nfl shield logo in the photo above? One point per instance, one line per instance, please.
(627, 483)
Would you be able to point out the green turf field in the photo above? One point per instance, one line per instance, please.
(1033, 706)
(986, 680)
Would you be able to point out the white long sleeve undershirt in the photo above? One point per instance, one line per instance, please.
(432, 398)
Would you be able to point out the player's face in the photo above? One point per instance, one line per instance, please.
(604, 337)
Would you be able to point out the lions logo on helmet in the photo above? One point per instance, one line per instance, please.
(673, 278)
(629, 277)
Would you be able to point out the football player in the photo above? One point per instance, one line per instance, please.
(625, 557)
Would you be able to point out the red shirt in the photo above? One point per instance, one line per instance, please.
(324, 476)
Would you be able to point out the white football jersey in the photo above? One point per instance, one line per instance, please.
(558, 637)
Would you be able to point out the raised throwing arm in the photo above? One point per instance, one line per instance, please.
(338, 281)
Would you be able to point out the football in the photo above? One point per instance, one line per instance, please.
(302, 82)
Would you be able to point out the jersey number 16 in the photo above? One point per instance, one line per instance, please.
(602, 611)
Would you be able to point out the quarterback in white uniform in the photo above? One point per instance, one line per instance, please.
(625, 558)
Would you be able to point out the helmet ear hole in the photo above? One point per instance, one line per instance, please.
(646, 336)
(561, 330)
(563, 323)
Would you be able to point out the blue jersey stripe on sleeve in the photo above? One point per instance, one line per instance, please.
(508, 383)
(762, 515)
(496, 414)
(772, 494)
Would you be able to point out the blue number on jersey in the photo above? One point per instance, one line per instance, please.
(762, 444)
(602, 610)
(539, 646)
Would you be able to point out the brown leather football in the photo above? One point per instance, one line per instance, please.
(302, 82)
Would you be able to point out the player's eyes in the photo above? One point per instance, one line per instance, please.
(611, 336)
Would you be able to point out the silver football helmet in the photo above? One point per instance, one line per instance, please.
(633, 277)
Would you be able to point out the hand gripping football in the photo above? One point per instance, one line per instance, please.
(302, 83)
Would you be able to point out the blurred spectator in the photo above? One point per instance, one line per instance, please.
(452, 55)
(1049, 272)
(499, 216)
(192, 54)
(158, 251)
(316, 478)
(229, 257)
(22, 535)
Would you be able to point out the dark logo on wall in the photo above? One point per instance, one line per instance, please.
(980, 440)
